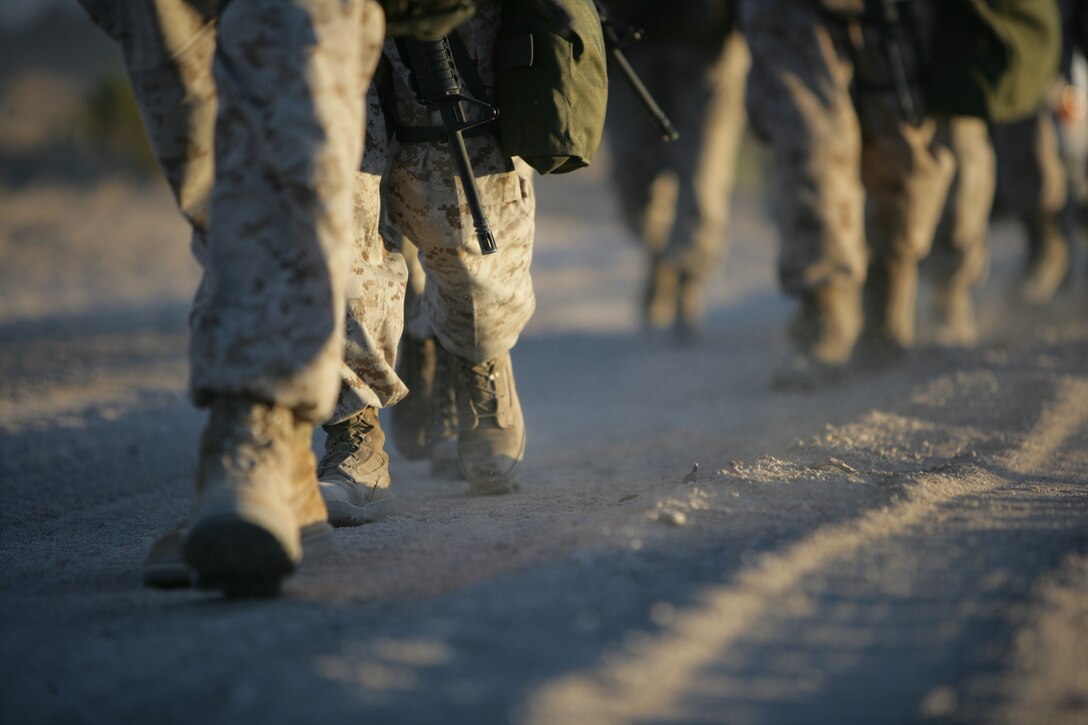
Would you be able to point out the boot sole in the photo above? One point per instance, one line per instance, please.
(496, 484)
(345, 514)
(317, 543)
(237, 557)
(173, 575)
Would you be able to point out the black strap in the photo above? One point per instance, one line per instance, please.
(467, 67)
(387, 97)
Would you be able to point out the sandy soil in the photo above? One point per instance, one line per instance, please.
(911, 546)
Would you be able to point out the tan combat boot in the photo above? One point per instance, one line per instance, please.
(1048, 261)
(954, 320)
(691, 306)
(891, 296)
(660, 294)
(164, 567)
(824, 333)
(354, 472)
(243, 536)
(490, 430)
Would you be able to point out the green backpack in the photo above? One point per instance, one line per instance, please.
(994, 58)
(551, 91)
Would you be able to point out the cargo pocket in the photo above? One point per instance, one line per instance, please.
(435, 213)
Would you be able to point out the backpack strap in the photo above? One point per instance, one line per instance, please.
(387, 99)
(466, 66)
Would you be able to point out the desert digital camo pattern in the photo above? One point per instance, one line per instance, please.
(834, 151)
(168, 47)
(274, 165)
(375, 288)
(475, 305)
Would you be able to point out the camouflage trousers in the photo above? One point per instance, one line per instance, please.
(854, 184)
(256, 118)
(961, 254)
(1032, 179)
(674, 197)
(475, 305)
(1031, 176)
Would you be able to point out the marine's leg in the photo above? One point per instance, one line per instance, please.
(1032, 183)
(961, 255)
(712, 114)
(267, 337)
(168, 46)
(906, 174)
(354, 468)
(478, 305)
(646, 185)
(425, 422)
(246, 529)
(798, 99)
(168, 49)
(638, 155)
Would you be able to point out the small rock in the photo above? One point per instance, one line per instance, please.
(694, 475)
(842, 466)
(671, 517)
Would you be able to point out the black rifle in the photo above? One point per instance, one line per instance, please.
(890, 25)
(618, 36)
(438, 87)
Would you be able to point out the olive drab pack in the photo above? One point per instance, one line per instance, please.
(551, 91)
(425, 19)
(994, 58)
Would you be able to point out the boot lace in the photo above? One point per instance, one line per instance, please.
(346, 440)
(482, 383)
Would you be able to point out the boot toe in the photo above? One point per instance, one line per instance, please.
(491, 481)
(238, 557)
(353, 504)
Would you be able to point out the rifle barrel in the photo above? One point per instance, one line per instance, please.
(453, 118)
(614, 44)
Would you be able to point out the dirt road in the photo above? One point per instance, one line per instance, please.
(909, 547)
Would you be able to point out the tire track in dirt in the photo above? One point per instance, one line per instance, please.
(662, 677)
